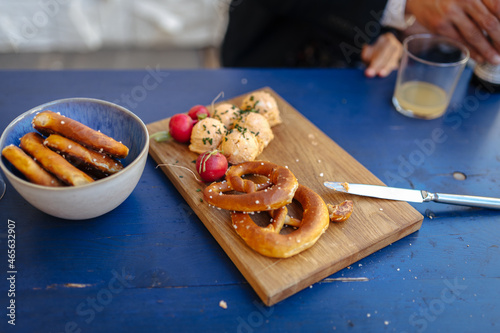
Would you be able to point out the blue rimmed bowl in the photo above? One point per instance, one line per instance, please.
(97, 198)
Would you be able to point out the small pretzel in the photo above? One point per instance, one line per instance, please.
(277, 192)
(340, 212)
(269, 242)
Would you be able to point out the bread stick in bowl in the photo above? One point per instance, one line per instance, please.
(48, 122)
(96, 164)
(29, 168)
(32, 143)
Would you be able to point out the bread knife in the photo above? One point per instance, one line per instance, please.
(420, 196)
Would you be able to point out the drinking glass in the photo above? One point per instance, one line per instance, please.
(430, 68)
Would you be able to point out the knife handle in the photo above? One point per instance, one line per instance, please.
(464, 200)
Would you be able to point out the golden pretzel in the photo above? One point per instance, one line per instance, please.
(269, 242)
(277, 192)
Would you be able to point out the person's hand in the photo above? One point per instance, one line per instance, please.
(463, 20)
(382, 57)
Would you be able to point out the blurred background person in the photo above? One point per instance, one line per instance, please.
(60, 34)
(322, 33)
(318, 33)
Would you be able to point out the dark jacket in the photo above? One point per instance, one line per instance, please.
(299, 33)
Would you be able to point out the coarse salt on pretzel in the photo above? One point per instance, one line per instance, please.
(269, 242)
(279, 190)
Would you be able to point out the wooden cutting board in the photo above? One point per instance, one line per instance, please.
(314, 158)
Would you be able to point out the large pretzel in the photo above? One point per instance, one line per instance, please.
(275, 193)
(269, 242)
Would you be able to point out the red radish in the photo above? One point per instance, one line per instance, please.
(180, 127)
(211, 166)
(198, 112)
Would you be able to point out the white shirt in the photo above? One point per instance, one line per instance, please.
(394, 15)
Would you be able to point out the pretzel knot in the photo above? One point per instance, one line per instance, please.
(269, 242)
(255, 197)
(272, 196)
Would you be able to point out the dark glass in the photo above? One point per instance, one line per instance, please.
(487, 77)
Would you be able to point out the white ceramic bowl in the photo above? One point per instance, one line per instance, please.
(101, 196)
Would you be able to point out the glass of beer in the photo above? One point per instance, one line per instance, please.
(429, 71)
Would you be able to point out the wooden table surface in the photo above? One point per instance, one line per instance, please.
(151, 265)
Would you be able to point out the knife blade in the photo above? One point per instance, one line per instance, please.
(420, 196)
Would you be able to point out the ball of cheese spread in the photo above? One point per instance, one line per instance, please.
(240, 146)
(258, 125)
(206, 135)
(226, 113)
(265, 104)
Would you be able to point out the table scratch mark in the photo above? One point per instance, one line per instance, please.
(69, 285)
(269, 266)
(353, 279)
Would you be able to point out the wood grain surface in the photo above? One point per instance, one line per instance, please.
(314, 158)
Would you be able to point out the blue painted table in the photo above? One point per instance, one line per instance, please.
(150, 265)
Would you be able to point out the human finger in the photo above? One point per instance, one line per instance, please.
(449, 30)
(487, 21)
(367, 53)
(366, 57)
(384, 62)
(474, 37)
(385, 55)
